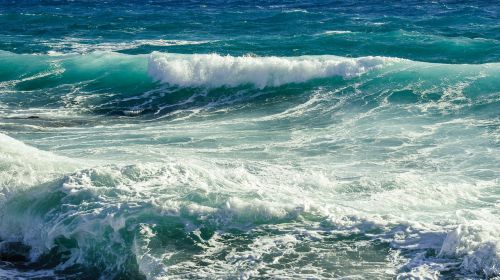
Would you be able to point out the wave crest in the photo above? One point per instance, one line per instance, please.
(214, 70)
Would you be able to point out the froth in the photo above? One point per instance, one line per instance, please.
(214, 70)
(22, 166)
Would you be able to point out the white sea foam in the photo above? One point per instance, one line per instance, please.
(478, 243)
(225, 196)
(22, 165)
(214, 70)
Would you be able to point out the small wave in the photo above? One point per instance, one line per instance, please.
(86, 46)
(296, 11)
(335, 32)
(214, 70)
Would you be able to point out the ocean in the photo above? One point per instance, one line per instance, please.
(249, 139)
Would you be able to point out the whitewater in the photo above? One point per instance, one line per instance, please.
(345, 141)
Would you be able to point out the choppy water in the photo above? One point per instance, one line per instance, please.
(242, 139)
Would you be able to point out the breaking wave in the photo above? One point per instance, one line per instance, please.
(138, 220)
(214, 70)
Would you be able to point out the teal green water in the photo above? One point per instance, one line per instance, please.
(249, 140)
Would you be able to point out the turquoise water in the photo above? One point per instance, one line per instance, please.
(249, 140)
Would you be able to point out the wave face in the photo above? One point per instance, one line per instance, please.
(167, 140)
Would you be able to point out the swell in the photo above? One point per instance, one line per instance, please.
(159, 83)
(21, 71)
